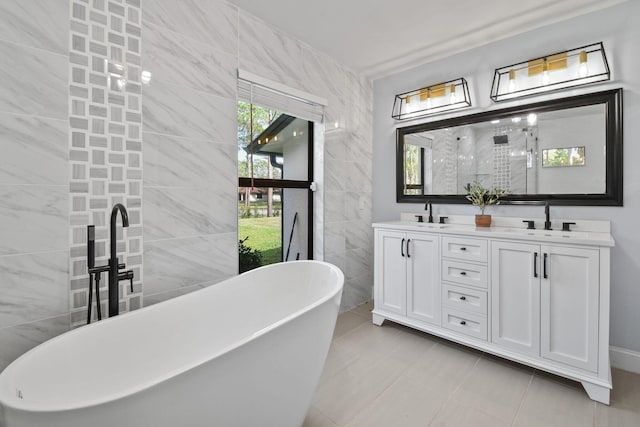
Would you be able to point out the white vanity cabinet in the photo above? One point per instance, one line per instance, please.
(408, 274)
(569, 301)
(545, 301)
(464, 286)
(539, 298)
(515, 296)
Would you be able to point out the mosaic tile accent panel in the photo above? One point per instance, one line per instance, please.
(105, 143)
(502, 167)
(445, 164)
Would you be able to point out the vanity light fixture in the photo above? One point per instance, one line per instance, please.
(562, 70)
(433, 99)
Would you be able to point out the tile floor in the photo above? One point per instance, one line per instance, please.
(393, 376)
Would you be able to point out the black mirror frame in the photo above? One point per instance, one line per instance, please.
(612, 99)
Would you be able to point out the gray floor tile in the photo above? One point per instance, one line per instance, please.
(394, 376)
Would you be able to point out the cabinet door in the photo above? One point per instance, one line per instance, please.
(515, 296)
(423, 277)
(569, 306)
(391, 272)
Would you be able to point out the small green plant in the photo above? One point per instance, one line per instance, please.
(249, 258)
(483, 197)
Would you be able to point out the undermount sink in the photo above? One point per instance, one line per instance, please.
(427, 225)
(546, 233)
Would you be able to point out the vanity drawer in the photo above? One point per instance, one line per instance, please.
(465, 323)
(464, 273)
(460, 298)
(465, 249)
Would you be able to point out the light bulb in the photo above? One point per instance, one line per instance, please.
(583, 71)
(512, 81)
(545, 73)
(531, 119)
(452, 94)
(145, 77)
(428, 103)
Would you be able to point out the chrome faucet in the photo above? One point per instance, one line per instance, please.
(547, 221)
(114, 275)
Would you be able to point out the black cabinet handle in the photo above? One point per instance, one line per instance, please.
(463, 298)
(408, 255)
(535, 264)
(463, 249)
(402, 248)
(462, 322)
(463, 273)
(544, 266)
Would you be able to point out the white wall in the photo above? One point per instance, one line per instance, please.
(588, 132)
(618, 29)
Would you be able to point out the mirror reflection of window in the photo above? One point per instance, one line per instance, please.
(563, 157)
(417, 164)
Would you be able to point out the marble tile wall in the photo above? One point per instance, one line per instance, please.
(73, 145)
(189, 131)
(193, 49)
(34, 184)
(105, 143)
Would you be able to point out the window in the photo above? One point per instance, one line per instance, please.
(275, 171)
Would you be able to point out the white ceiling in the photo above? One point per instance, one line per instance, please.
(380, 37)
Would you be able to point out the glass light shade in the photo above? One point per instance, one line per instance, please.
(434, 99)
(562, 70)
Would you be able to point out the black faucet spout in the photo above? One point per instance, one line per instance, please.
(547, 220)
(114, 295)
(429, 209)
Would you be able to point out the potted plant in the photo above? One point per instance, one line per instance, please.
(482, 197)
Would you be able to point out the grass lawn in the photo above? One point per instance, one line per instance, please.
(264, 235)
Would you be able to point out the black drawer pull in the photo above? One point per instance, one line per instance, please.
(462, 322)
(402, 248)
(463, 249)
(408, 255)
(463, 273)
(463, 298)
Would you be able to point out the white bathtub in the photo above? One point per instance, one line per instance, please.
(248, 351)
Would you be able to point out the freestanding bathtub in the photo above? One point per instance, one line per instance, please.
(246, 352)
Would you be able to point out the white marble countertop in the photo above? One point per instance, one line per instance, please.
(593, 233)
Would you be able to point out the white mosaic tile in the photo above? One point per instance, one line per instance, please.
(105, 142)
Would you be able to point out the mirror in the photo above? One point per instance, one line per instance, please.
(567, 151)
